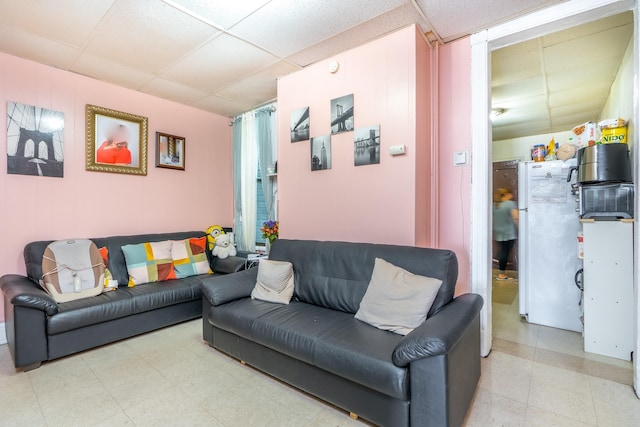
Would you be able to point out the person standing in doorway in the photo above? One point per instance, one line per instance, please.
(505, 220)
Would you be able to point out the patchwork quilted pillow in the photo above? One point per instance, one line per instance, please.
(189, 257)
(149, 262)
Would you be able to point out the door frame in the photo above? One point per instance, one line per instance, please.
(552, 19)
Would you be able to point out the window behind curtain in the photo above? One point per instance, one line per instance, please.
(261, 215)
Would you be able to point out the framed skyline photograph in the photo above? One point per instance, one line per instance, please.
(35, 141)
(366, 146)
(170, 151)
(320, 152)
(116, 141)
(342, 114)
(299, 124)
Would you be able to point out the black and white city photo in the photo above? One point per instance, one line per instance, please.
(35, 140)
(342, 114)
(366, 146)
(300, 125)
(320, 152)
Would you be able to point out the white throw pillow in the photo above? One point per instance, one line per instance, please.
(397, 300)
(274, 282)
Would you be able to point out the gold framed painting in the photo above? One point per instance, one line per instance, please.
(170, 151)
(116, 141)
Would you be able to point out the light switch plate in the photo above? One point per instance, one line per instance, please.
(396, 150)
(459, 158)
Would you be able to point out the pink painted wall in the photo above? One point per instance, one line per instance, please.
(383, 203)
(91, 204)
(454, 134)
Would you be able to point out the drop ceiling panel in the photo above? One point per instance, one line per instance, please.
(584, 76)
(449, 16)
(109, 71)
(580, 31)
(220, 13)
(516, 64)
(583, 52)
(220, 62)
(521, 89)
(19, 43)
(67, 21)
(225, 107)
(257, 88)
(163, 88)
(287, 26)
(147, 35)
(360, 34)
(579, 95)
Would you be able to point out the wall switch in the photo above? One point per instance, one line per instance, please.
(396, 150)
(459, 158)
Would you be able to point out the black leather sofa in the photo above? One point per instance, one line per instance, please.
(39, 329)
(426, 378)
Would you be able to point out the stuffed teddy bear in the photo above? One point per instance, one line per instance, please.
(212, 234)
(223, 247)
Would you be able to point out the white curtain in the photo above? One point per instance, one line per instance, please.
(265, 122)
(248, 177)
(253, 139)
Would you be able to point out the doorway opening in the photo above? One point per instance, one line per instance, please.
(543, 88)
(537, 24)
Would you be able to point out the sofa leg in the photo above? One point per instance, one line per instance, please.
(31, 367)
(354, 416)
(243, 362)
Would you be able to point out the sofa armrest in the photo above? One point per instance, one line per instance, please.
(220, 289)
(439, 333)
(20, 291)
(228, 265)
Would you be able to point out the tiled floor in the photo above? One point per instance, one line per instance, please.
(534, 376)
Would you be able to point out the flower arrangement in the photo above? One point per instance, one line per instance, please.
(270, 230)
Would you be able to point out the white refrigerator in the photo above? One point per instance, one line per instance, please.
(548, 245)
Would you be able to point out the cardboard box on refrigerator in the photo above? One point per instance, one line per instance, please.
(584, 135)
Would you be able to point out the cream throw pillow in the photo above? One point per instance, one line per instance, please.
(274, 282)
(397, 300)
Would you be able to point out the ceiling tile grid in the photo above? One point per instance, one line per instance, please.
(225, 57)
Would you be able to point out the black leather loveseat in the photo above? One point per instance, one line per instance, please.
(426, 378)
(39, 329)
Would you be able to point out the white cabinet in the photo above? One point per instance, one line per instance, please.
(608, 288)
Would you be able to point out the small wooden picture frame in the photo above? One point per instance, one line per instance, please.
(170, 151)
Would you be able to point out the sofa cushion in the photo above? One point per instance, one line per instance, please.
(162, 294)
(149, 262)
(189, 257)
(329, 339)
(336, 274)
(89, 311)
(274, 282)
(397, 300)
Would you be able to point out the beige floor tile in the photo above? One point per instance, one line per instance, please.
(490, 409)
(563, 392)
(517, 330)
(538, 418)
(507, 376)
(133, 382)
(170, 408)
(616, 404)
(561, 341)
